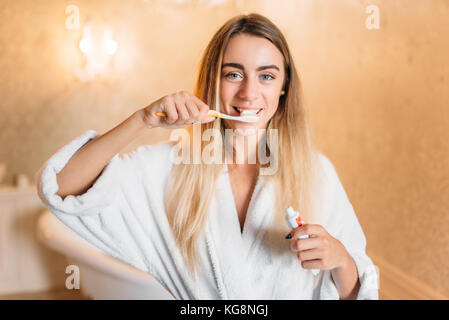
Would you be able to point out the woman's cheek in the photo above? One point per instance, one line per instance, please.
(274, 103)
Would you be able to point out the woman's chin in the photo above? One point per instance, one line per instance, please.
(245, 131)
(244, 128)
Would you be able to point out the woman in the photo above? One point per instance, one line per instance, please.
(217, 230)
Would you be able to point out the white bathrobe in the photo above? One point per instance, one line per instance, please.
(123, 215)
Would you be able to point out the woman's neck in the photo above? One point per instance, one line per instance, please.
(245, 149)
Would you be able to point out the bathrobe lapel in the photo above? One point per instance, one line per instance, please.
(233, 253)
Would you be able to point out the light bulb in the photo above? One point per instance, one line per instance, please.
(110, 46)
(85, 45)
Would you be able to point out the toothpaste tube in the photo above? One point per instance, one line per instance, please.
(294, 221)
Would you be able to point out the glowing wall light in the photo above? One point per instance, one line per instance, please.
(110, 46)
(98, 47)
(85, 45)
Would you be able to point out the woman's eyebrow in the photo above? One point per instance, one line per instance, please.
(239, 66)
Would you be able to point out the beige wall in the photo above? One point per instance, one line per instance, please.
(378, 99)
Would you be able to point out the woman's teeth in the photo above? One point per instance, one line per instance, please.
(246, 112)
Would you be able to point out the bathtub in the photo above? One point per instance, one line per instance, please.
(101, 276)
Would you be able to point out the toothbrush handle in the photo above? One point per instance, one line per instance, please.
(211, 113)
(216, 114)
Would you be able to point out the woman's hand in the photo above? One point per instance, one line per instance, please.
(181, 109)
(320, 250)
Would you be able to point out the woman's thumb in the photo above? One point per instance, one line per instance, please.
(208, 119)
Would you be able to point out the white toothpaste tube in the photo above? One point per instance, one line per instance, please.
(294, 221)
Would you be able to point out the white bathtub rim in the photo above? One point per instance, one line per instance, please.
(60, 238)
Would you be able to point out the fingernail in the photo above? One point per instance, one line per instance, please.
(288, 237)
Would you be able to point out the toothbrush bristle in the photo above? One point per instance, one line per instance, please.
(250, 118)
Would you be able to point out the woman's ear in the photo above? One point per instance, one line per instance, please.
(282, 92)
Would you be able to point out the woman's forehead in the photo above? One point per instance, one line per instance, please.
(252, 52)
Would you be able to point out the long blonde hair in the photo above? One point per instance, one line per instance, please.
(192, 186)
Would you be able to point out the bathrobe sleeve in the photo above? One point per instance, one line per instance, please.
(343, 225)
(100, 195)
(112, 213)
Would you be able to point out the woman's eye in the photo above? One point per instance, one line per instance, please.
(268, 75)
(232, 75)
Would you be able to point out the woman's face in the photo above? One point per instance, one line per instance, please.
(252, 76)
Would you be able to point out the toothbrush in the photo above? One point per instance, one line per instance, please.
(294, 221)
(216, 114)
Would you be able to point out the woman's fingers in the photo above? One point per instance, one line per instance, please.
(197, 109)
(183, 114)
(171, 113)
(180, 108)
(320, 250)
(201, 105)
(192, 108)
(203, 109)
(188, 108)
(311, 254)
(311, 230)
(312, 264)
(306, 244)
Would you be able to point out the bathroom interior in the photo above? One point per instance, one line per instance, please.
(375, 76)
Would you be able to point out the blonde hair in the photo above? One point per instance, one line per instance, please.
(192, 186)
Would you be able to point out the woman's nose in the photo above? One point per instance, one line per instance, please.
(249, 90)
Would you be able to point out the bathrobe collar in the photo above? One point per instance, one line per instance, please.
(233, 252)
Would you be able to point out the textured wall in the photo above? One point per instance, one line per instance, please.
(379, 106)
(44, 104)
(378, 99)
